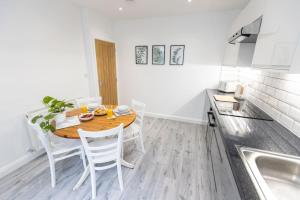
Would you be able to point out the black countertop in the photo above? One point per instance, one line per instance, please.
(259, 134)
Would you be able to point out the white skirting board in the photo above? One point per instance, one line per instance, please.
(177, 118)
(5, 170)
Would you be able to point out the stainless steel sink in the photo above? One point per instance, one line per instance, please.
(275, 176)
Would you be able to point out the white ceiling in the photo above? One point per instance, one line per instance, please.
(135, 9)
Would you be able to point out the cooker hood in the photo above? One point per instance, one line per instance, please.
(247, 34)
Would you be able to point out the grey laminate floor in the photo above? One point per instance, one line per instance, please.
(173, 167)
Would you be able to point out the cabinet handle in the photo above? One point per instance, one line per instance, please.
(211, 119)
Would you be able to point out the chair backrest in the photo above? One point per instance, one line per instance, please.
(102, 152)
(88, 100)
(42, 136)
(139, 108)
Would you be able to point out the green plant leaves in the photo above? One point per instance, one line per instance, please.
(33, 120)
(54, 106)
(49, 116)
(47, 99)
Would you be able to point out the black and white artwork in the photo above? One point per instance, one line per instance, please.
(158, 54)
(177, 54)
(141, 55)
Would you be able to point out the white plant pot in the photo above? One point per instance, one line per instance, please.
(61, 117)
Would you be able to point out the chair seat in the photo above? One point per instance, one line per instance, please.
(67, 146)
(60, 145)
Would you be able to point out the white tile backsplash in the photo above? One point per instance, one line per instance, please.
(277, 93)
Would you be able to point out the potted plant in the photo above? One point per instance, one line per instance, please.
(56, 111)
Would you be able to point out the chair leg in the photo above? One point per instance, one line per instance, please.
(141, 141)
(52, 171)
(119, 168)
(83, 157)
(93, 180)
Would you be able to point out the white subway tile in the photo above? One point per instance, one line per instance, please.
(268, 81)
(270, 91)
(281, 84)
(296, 129)
(281, 95)
(291, 87)
(283, 107)
(295, 114)
(273, 102)
(292, 77)
(293, 100)
(275, 114)
(286, 121)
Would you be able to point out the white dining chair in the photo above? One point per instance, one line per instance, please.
(88, 100)
(103, 152)
(135, 130)
(57, 148)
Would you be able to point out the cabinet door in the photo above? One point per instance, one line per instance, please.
(226, 186)
(279, 34)
(211, 173)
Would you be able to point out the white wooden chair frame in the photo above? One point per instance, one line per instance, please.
(137, 126)
(107, 154)
(58, 151)
(87, 100)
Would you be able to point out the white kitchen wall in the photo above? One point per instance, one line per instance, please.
(95, 26)
(275, 92)
(176, 92)
(42, 53)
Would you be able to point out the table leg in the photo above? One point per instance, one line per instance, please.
(82, 178)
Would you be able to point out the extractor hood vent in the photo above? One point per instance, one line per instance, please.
(247, 34)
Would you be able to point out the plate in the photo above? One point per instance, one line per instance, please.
(86, 117)
(100, 112)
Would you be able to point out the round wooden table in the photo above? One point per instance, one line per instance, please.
(99, 123)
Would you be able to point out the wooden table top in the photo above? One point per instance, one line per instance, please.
(99, 123)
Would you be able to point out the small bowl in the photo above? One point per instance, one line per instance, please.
(122, 109)
(86, 117)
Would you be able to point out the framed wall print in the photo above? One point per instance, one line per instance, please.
(158, 54)
(177, 54)
(141, 55)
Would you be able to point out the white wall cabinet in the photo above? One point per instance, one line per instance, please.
(277, 45)
(279, 35)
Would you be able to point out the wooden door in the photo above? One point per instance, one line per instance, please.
(106, 67)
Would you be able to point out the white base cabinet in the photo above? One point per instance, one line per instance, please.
(222, 183)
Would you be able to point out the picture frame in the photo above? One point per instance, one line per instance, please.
(158, 54)
(177, 54)
(141, 55)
